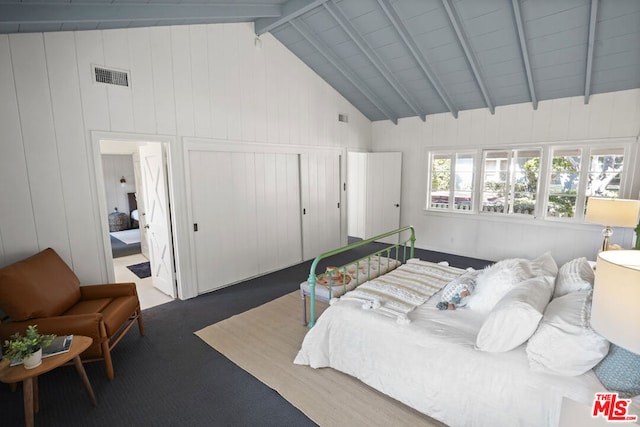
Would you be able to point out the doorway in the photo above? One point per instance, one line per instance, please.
(137, 219)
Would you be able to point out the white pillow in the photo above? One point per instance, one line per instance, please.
(516, 316)
(564, 343)
(545, 265)
(575, 275)
(496, 280)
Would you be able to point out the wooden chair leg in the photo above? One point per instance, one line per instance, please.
(106, 352)
(108, 364)
(140, 323)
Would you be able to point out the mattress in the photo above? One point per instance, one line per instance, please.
(431, 365)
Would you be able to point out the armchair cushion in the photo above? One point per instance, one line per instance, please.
(22, 294)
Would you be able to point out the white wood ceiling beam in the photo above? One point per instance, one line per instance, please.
(593, 19)
(462, 38)
(73, 13)
(524, 51)
(290, 10)
(344, 69)
(411, 45)
(373, 57)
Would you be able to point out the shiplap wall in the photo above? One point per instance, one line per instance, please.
(206, 81)
(562, 121)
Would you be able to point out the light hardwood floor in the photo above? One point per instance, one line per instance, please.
(148, 295)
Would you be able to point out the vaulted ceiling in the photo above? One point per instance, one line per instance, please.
(404, 58)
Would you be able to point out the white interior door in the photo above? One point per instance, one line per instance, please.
(320, 180)
(157, 217)
(384, 171)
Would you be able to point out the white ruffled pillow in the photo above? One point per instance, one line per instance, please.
(496, 280)
(575, 275)
(545, 265)
(564, 343)
(516, 316)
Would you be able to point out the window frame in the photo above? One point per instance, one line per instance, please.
(510, 182)
(452, 154)
(547, 150)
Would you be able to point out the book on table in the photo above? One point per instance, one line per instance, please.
(59, 345)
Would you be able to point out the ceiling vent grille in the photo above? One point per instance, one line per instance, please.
(111, 77)
(343, 118)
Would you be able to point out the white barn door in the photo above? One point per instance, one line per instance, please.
(156, 216)
(245, 209)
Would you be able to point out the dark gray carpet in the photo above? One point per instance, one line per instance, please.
(170, 377)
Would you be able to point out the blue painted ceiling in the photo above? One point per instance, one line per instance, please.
(404, 58)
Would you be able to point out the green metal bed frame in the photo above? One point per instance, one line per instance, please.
(386, 251)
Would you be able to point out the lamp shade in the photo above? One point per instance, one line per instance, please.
(615, 310)
(613, 212)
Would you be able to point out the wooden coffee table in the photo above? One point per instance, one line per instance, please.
(29, 377)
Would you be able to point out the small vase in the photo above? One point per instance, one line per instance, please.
(34, 360)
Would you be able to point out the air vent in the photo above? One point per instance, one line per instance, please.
(343, 118)
(111, 77)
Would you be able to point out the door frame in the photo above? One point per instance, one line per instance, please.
(168, 143)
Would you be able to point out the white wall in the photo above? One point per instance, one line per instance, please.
(569, 120)
(206, 81)
(114, 167)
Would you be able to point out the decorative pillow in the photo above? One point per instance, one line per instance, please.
(516, 316)
(545, 265)
(575, 275)
(457, 292)
(564, 343)
(619, 372)
(496, 280)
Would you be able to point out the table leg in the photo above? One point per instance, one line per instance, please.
(85, 379)
(27, 391)
(36, 396)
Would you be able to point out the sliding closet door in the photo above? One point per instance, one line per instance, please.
(279, 234)
(245, 208)
(321, 219)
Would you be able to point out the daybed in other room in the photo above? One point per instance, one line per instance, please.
(500, 346)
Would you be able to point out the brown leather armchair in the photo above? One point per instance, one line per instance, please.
(42, 290)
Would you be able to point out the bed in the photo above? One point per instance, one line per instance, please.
(487, 359)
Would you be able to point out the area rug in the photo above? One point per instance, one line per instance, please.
(265, 340)
(141, 270)
(128, 237)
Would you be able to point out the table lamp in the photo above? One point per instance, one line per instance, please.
(615, 316)
(612, 213)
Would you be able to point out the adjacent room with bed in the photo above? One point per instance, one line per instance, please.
(334, 212)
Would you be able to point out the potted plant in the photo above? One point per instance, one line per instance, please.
(27, 348)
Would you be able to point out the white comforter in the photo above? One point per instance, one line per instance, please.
(431, 365)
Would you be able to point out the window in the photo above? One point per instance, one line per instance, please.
(567, 193)
(525, 182)
(510, 181)
(563, 183)
(451, 179)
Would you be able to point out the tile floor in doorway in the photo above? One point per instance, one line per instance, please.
(148, 295)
